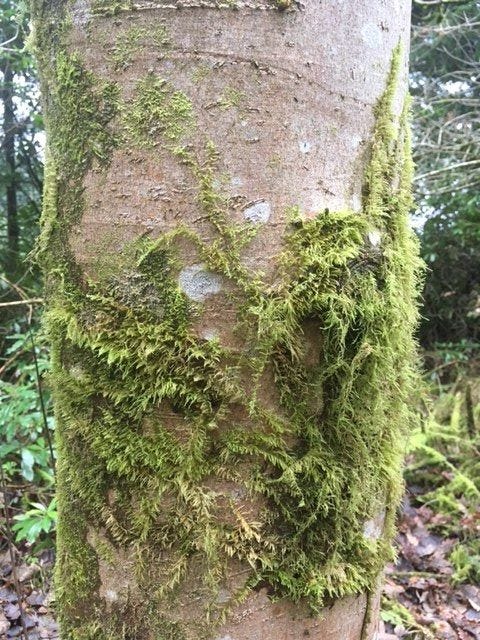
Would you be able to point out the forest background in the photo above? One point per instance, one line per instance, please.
(433, 589)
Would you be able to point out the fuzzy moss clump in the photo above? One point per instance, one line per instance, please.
(153, 422)
(80, 111)
(110, 7)
(158, 110)
(128, 43)
(105, 8)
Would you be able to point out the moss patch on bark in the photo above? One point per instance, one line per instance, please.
(151, 417)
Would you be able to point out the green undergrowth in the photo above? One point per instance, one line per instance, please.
(403, 620)
(445, 467)
(443, 473)
(25, 435)
(160, 431)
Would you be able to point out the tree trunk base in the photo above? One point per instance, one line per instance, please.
(352, 618)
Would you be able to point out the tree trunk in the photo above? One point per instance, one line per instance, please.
(231, 285)
(8, 144)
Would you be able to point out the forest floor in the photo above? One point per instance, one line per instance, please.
(432, 592)
(420, 601)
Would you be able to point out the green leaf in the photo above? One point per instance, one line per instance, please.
(28, 461)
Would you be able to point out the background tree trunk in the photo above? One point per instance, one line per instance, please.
(8, 145)
(231, 283)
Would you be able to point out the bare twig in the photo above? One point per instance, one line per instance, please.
(8, 362)
(432, 3)
(2, 44)
(46, 430)
(451, 167)
(16, 303)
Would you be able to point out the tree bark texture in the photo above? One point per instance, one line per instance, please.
(231, 284)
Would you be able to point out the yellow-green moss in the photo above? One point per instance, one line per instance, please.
(110, 7)
(230, 98)
(128, 43)
(104, 8)
(124, 349)
(157, 110)
(283, 4)
(79, 109)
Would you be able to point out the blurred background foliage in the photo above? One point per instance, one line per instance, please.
(26, 423)
(21, 164)
(443, 463)
(445, 83)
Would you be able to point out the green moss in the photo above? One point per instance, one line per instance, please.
(465, 559)
(85, 108)
(115, 7)
(169, 631)
(80, 111)
(283, 4)
(128, 43)
(148, 412)
(111, 7)
(157, 109)
(104, 549)
(125, 47)
(231, 97)
(201, 72)
(399, 616)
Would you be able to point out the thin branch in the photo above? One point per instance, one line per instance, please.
(432, 3)
(2, 44)
(450, 167)
(15, 303)
(448, 190)
(10, 360)
(46, 430)
(15, 285)
(446, 29)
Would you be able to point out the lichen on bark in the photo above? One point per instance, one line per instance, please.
(165, 442)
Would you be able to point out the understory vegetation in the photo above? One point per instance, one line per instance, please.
(432, 591)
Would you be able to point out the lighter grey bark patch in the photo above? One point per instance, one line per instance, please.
(355, 142)
(305, 146)
(198, 283)
(236, 181)
(356, 203)
(374, 237)
(373, 529)
(372, 35)
(77, 372)
(258, 213)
